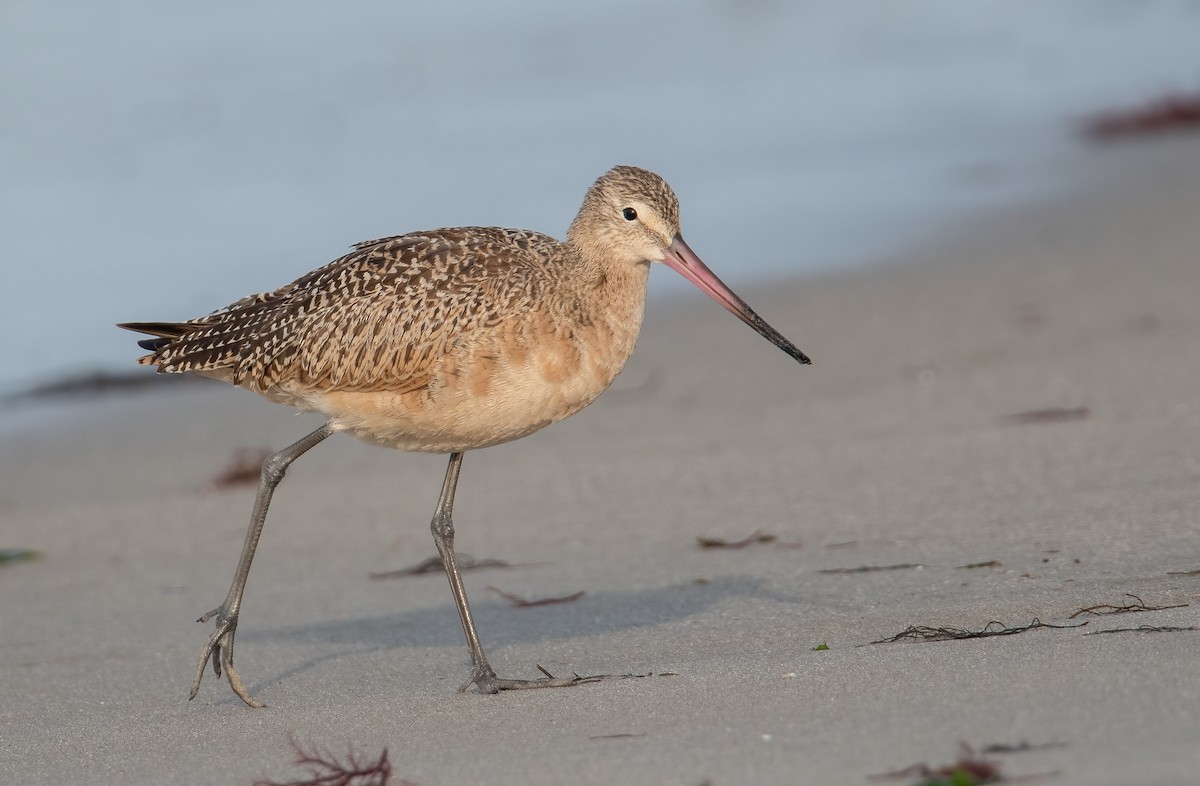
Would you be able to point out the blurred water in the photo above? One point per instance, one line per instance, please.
(158, 160)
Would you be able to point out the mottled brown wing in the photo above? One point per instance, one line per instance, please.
(378, 318)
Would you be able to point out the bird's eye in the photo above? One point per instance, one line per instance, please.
(630, 214)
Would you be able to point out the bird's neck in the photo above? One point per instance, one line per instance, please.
(610, 289)
(603, 304)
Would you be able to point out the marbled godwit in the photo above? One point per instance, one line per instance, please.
(443, 342)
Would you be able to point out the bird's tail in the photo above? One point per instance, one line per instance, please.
(164, 332)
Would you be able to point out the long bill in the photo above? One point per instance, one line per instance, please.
(680, 258)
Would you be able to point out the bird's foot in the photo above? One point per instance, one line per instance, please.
(486, 681)
(219, 650)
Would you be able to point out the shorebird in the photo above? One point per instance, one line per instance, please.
(442, 342)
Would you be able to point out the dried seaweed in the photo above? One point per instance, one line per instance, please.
(992, 563)
(872, 568)
(578, 679)
(1144, 629)
(1177, 112)
(98, 383)
(1049, 415)
(968, 770)
(993, 628)
(717, 543)
(1105, 608)
(1024, 746)
(525, 603)
(434, 565)
(325, 769)
(243, 469)
(10, 556)
(1184, 572)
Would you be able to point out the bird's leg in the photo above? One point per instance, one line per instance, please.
(443, 536)
(219, 648)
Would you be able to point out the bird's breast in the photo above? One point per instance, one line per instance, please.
(492, 387)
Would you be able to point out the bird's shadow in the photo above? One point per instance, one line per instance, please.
(501, 624)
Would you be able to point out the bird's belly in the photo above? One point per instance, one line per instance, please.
(488, 400)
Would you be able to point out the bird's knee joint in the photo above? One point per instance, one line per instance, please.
(442, 527)
(273, 468)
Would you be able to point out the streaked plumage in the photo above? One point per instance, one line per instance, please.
(445, 341)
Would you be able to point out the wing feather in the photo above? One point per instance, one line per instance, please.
(379, 317)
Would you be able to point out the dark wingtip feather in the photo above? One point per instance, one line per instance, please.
(161, 329)
(154, 344)
(164, 333)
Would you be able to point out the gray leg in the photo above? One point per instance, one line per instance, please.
(219, 648)
(443, 537)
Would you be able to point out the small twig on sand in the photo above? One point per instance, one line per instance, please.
(1050, 415)
(872, 568)
(717, 543)
(525, 603)
(434, 565)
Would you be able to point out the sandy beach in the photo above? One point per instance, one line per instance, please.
(1023, 395)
